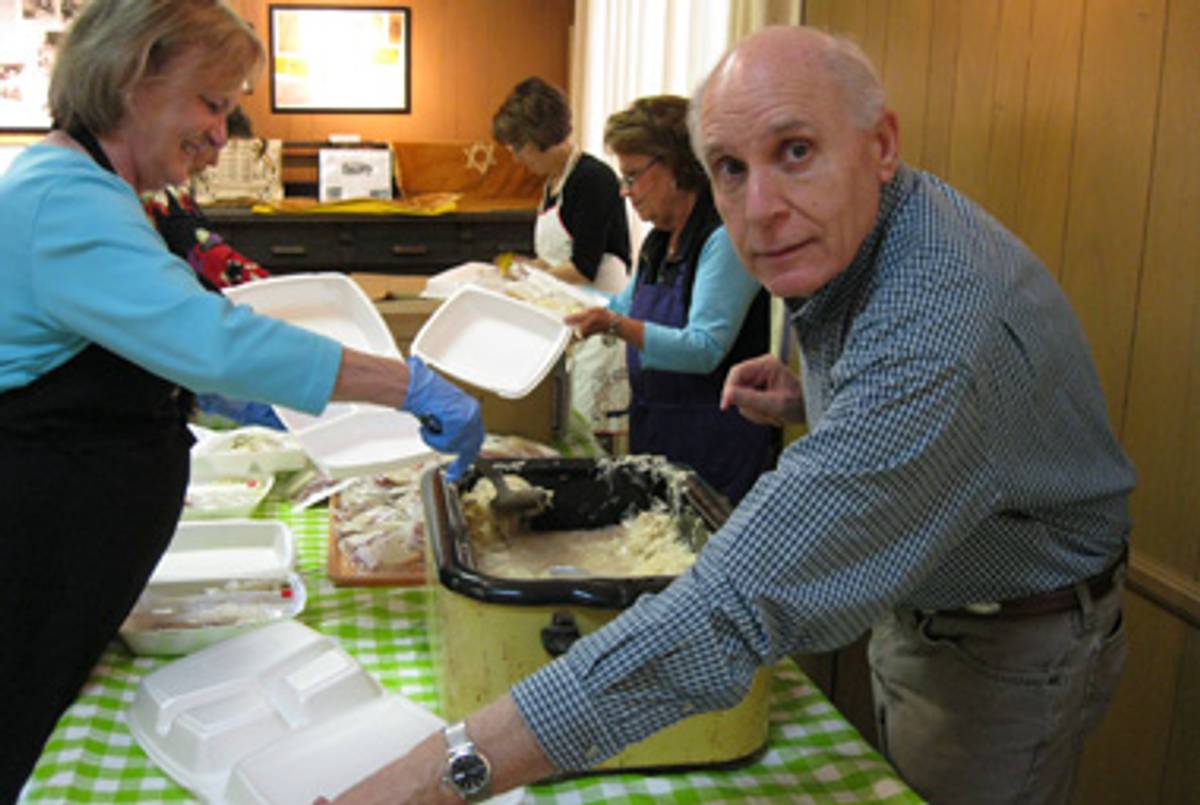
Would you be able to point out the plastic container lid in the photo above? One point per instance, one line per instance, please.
(492, 341)
(348, 439)
(278, 715)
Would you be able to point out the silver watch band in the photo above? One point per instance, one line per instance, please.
(468, 773)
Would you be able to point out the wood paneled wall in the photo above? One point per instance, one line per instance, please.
(466, 56)
(1077, 123)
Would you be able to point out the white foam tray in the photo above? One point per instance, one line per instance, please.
(217, 454)
(492, 341)
(204, 555)
(488, 275)
(443, 284)
(228, 549)
(279, 715)
(213, 497)
(348, 439)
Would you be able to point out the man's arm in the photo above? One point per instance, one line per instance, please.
(500, 734)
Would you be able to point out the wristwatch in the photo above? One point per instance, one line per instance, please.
(468, 773)
(613, 329)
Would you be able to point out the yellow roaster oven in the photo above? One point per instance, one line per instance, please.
(486, 632)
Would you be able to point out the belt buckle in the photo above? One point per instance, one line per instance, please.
(983, 608)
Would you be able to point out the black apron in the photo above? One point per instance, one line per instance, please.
(93, 471)
(677, 414)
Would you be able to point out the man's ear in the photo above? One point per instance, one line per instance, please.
(885, 141)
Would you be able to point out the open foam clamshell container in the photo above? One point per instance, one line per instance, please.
(486, 633)
(492, 341)
(280, 715)
(216, 580)
(248, 450)
(347, 439)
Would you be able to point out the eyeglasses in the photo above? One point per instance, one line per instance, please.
(628, 180)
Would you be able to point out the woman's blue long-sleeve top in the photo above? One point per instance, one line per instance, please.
(81, 263)
(721, 296)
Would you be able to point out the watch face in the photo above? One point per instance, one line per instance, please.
(468, 773)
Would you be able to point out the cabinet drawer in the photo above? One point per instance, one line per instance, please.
(484, 240)
(396, 245)
(290, 246)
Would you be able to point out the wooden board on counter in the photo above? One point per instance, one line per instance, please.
(344, 573)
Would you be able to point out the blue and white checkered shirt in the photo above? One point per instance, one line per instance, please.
(959, 452)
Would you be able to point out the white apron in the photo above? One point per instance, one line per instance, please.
(599, 379)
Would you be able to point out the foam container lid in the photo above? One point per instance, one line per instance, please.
(226, 549)
(216, 496)
(252, 449)
(348, 439)
(281, 714)
(492, 341)
(216, 580)
(443, 284)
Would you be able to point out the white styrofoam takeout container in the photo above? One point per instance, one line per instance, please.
(347, 439)
(488, 275)
(221, 579)
(443, 284)
(222, 453)
(215, 497)
(492, 341)
(279, 715)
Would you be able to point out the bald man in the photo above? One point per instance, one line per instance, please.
(960, 492)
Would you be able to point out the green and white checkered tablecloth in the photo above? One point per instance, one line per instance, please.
(814, 756)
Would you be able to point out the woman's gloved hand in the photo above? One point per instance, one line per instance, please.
(450, 418)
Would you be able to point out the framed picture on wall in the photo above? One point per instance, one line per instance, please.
(340, 59)
(31, 32)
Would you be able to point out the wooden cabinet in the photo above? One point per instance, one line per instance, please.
(390, 244)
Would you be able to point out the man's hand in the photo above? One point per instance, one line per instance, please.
(764, 391)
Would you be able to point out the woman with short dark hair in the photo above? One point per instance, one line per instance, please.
(581, 235)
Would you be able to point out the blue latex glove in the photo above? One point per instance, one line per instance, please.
(242, 412)
(450, 418)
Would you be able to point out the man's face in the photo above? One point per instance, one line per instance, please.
(795, 180)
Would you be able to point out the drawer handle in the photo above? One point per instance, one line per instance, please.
(289, 251)
(407, 249)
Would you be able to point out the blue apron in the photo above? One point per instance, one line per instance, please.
(678, 414)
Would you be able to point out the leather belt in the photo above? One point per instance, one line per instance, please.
(1051, 602)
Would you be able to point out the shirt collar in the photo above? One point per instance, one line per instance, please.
(829, 299)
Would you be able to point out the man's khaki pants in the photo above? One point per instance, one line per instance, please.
(975, 709)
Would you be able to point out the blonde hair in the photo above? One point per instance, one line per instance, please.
(114, 45)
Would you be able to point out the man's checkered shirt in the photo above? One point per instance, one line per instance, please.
(959, 452)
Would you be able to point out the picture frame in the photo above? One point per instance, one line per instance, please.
(31, 32)
(340, 59)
